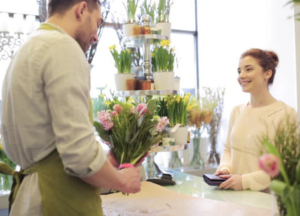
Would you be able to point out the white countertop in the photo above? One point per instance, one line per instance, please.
(195, 186)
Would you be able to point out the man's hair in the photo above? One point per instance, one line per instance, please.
(61, 6)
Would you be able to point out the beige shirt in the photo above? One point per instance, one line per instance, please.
(45, 106)
(244, 146)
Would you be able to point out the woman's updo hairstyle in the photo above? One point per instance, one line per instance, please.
(268, 60)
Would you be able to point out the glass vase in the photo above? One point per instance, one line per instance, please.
(175, 161)
(197, 162)
(214, 157)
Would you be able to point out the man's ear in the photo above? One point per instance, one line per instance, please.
(80, 10)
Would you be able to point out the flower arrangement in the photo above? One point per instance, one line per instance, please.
(123, 60)
(130, 131)
(131, 7)
(200, 112)
(163, 57)
(282, 163)
(164, 7)
(216, 96)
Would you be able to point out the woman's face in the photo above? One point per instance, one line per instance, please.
(252, 77)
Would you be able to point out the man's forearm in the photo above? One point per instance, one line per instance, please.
(106, 177)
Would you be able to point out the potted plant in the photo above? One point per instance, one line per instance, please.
(130, 6)
(175, 107)
(164, 7)
(150, 9)
(282, 163)
(163, 58)
(123, 61)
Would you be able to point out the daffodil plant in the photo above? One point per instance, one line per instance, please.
(123, 60)
(164, 7)
(150, 9)
(131, 6)
(175, 107)
(163, 57)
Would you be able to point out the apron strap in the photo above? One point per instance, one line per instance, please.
(17, 180)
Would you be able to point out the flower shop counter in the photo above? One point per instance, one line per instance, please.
(195, 187)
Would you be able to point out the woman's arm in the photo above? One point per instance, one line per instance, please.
(225, 163)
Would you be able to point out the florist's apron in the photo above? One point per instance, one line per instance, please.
(61, 194)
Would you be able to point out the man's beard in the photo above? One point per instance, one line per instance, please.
(82, 41)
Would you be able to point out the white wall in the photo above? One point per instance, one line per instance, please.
(228, 28)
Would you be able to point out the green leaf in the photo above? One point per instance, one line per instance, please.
(151, 105)
(102, 133)
(273, 150)
(280, 188)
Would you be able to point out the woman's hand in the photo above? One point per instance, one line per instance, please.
(233, 182)
(222, 172)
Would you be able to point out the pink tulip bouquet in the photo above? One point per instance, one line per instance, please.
(130, 131)
(283, 165)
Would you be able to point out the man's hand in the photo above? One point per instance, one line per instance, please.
(112, 158)
(233, 182)
(131, 180)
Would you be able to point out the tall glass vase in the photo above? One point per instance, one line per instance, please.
(175, 161)
(214, 157)
(197, 162)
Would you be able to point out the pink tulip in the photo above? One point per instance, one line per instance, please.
(117, 108)
(140, 107)
(270, 164)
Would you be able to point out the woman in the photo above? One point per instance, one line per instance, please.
(249, 122)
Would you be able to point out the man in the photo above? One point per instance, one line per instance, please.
(46, 127)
